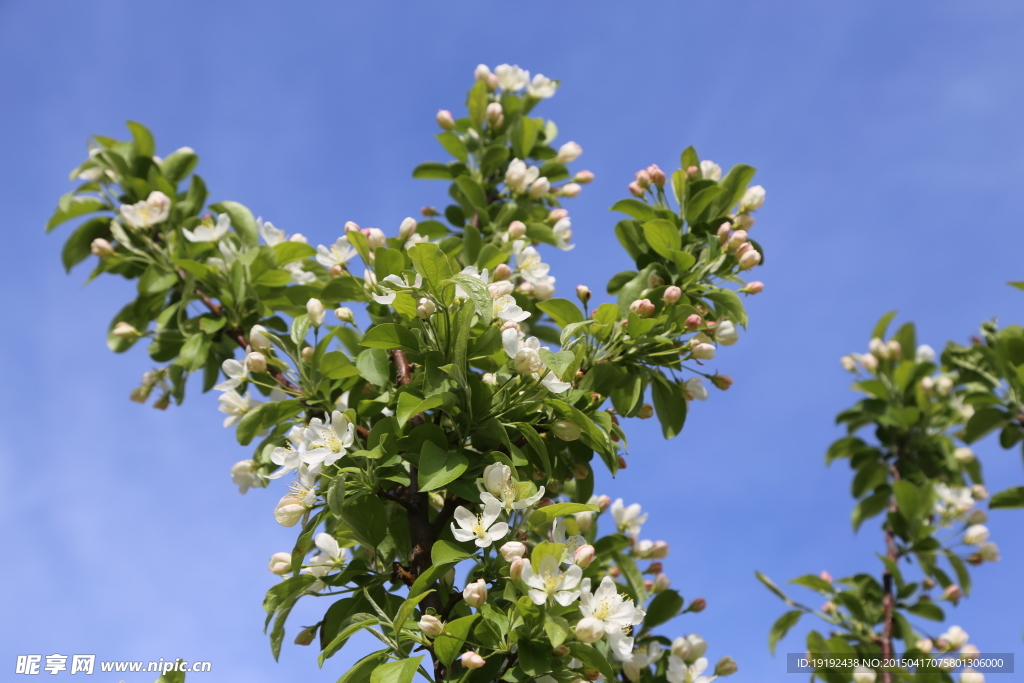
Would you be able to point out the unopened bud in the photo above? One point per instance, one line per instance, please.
(515, 569)
(352, 226)
(472, 660)
(894, 348)
(924, 645)
(516, 229)
(431, 626)
(583, 292)
(256, 361)
(445, 120)
(315, 310)
(407, 229)
(570, 151)
(661, 583)
(583, 556)
(825, 576)
(643, 178)
(570, 190)
(694, 321)
(583, 178)
(560, 651)
(603, 502)
(963, 455)
(755, 287)
(723, 382)
(125, 330)
(672, 295)
(502, 272)
(258, 338)
(953, 593)
(490, 379)
(512, 549)
(375, 237)
(656, 175)
(726, 667)
(698, 605)
(494, 114)
(642, 307)
(429, 212)
(636, 190)
(475, 594)
(539, 188)
(692, 171)
(425, 308)
(749, 259)
(655, 280)
(280, 563)
(336, 270)
(101, 248)
(580, 471)
(703, 351)
(622, 463)
(344, 314)
(140, 394)
(306, 635)
(307, 354)
(589, 630)
(646, 411)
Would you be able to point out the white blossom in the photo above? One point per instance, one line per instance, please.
(235, 405)
(616, 613)
(329, 440)
(531, 267)
(571, 543)
(291, 454)
(300, 275)
(506, 308)
(541, 86)
(511, 78)
(694, 389)
(628, 519)
(154, 209)
(680, 672)
(331, 556)
(236, 372)
(549, 581)
(519, 176)
(269, 233)
(709, 170)
(205, 233)
(480, 528)
(924, 354)
(563, 233)
(338, 254)
(503, 490)
(642, 658)
(244, 475)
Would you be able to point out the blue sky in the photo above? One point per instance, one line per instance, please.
(887, 136)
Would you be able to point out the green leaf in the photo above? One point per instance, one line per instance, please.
(882, 325)
(390, 336)
(684, 260)
(79, 244)
(770, 585)
(542, 516)
(176, 165)
(734, 184)
(454, 145)
(241, 219)
(144, 146)
(401, 671)
(364, 668)
(336, 365)
(635, 208)
(299, 329)
(156, 280)
(632, 573)
(287, 252)
(559, 362)
(410, 404)
(374, 366)
(336, 495)
(432, 170)
(669, 404)
(984, 421)
(700, 201)
(477, 103)
(449, 552)
(1008, 499)
(73, 208)
(448, 646)
(562, 311)
(432, 264)
(729, 303)
(869, 507)
(366, 516)
(477, 291)
(439, 467)
(591, 657)
(928, 610)
(474, 192)
(908, 498)
(663, 236)
(665, 605)
(781, 627)
(275, 277)
(524, 136)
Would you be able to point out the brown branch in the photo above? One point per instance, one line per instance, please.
(403, 375)
(387, 495)
(888, 596)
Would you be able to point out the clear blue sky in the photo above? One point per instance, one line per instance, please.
(887, 135)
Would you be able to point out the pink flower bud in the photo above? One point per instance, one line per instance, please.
(698, 605)
(101, 248)
(661, 583)
(656, 174)
(351, 226)
(744, 220)
(502, 272)
(429, 212)
(583, 556)
(825, 576)
(672, 295)
(431, 626)
(445, 120)
(694, 321)
(539, 188)
(583, 177)
(512, 550)
(581, 471)
(568, 152)
(570, 190)
(495, 114)
(755, 287)
(636, 190)
(749, 259)
(583, 292)
(953, 593)
(375, 237)
(738, 238)
(643, 178)
(256, 361)
(692, 171)
(560, 651)
(723, 382)
(515, 569)
(703, 351)
(659, 550)
(723, 232)
(336, 270)
(475, 594)
(646, 411)
(516, 229)
(556, 215)
(642, 307)
(654, 568)
(603, 502)
(344, 314)
(280, 563)
(472, 660)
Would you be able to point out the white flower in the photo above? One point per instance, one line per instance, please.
(628, 519)
(244, 475)
(316, 312)
(679, 672)
(709, 170)
(541, 86)
(617, 614)
(530, 266)
(519, 176)
(862, 674)
(925, 354)
(952, 502)
(506, 308)
(753, 199)
(969, 675)
(550, 582)
(269, 233)
(153, 210)
(338, 254)
(571, 543)
(642, 658)
(956, 637)
(694, 389)
(726, 334)
(332, 555)
(480, 528)
(555, 385)
(204, 233)
(976, 534)
(503, 490)
(235, 405)
(570, 151)
(522, 351)
(291, 454)
(511, 78)
(396, 283)
(301, 496)
(300, 275)
(563, 233)
(236, 373)
(690, 648)
(328, 440)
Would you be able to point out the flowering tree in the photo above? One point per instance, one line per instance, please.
(917, 469)
(438, 437)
